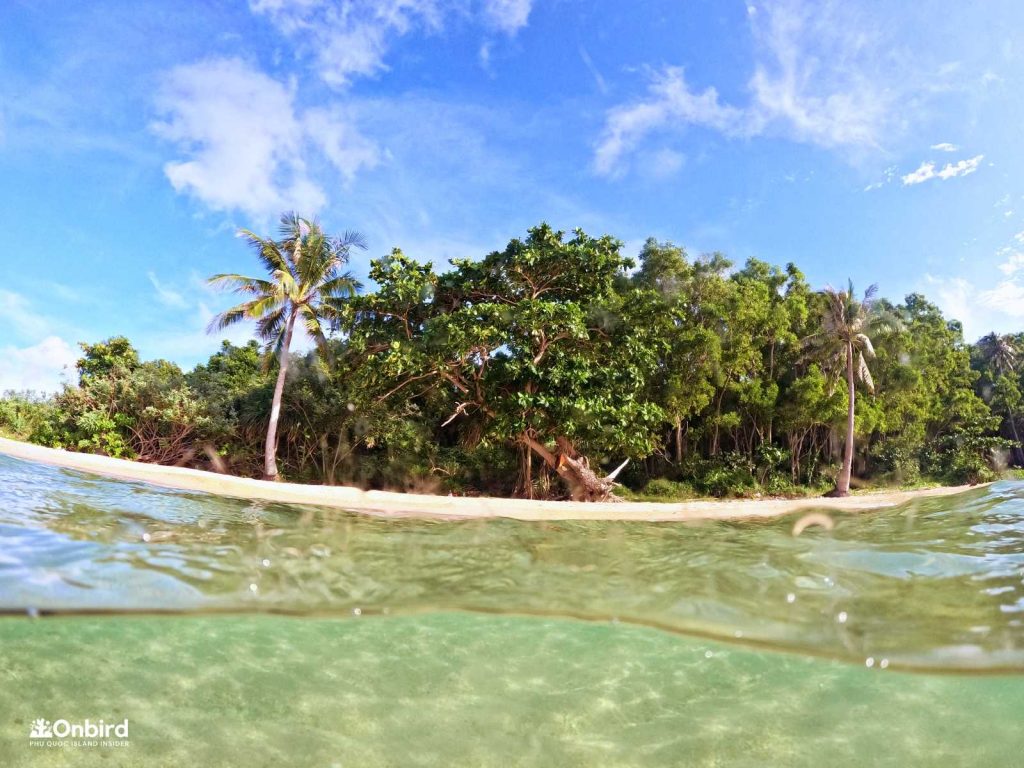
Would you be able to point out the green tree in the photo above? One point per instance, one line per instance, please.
(534, 346)
(844, 342)
(998, 352)
(304, 283)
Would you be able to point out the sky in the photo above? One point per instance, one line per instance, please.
(869, 140)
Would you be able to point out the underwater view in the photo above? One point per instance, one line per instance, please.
(235, 633)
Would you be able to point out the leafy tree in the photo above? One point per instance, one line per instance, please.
(532, 346)
(845, 344)
(998, 352)
(304, 281)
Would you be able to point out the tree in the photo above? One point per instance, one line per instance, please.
(534, 346)
(999, 353)
(304, 284)
(844, 341)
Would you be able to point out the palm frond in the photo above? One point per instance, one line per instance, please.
(242, 284)
(864, 344)
(266, 250)
(864, 373)
(269, 326)
(311, 322)
(341, 285)
(350, 239)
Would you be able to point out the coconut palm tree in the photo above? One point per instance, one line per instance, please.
(844, 342)
(304, 281)
(999, 352)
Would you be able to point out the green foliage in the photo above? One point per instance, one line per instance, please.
(24, 415)
(525, 370)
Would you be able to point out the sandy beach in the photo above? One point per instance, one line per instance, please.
(386, 503)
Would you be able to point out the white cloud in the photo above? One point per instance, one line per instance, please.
(923, 173)
(826, 74)
(19, 317)
(887, 177)
(1006, 298)
(817, 78)
(962, 168)
(348, 39)
(166, 295)
(42, 367)
(508, 16)
(588, 62)
(979, 309)
(335, 134)
(247, 143)
(956, 297)
(945, 147)
(926, 171)
(1014, 261)
(669, 101)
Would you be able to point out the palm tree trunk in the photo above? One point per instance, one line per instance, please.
(270, 450)
(1017, 448)
(843, 482)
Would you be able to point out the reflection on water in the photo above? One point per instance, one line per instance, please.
(933, 584)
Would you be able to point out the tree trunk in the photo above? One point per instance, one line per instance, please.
(679, 441)
(843, 482)
(1017, 449)
(270, 450)
(583, 483)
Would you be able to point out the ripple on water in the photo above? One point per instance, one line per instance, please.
(912, 583)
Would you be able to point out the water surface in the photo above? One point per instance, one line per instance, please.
(235, 632)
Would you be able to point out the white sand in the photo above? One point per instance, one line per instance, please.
(418, 505)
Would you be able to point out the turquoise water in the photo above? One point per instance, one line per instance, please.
(233, 633)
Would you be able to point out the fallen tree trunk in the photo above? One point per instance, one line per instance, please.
(584, 484)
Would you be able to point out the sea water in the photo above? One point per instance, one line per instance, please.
(227, 632)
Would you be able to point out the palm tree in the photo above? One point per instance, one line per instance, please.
(844, 340)
(999, 352)
(304, 282)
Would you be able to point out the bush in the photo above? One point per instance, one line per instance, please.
(663, 488)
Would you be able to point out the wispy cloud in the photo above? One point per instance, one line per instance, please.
(926, 171)
(245, 141)
(823, 75)
(349, 39)
(19, 316)
(979, 309)
(669, 101)
(1013, 261)
(508, 16)
(165, 294)
(588, 62)
(945, 147)
(41, 367)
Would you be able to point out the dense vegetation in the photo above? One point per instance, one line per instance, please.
(540, 368)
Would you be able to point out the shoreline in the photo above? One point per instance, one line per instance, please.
(395, 504)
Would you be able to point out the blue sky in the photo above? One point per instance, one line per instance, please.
(858, 139)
